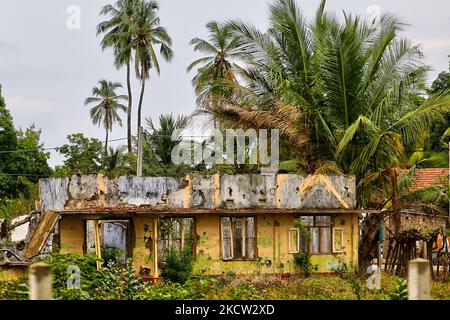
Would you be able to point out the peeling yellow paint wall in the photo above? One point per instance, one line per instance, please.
(71, 234)
(142, 252)
(272, 246)
(272, 231)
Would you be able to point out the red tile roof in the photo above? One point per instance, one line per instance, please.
(429, 176)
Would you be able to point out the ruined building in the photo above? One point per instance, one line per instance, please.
(237, 223)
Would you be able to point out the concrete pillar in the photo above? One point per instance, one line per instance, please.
(155, 248)
(40, 280)
(419, 280)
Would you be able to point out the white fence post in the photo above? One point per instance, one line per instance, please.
(419, 280)
(40, 281)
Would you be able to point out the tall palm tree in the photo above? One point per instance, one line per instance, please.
(221, 50)
(107, 103)
(347, 88)
(148, 34)
(118, 35)
(324, 73)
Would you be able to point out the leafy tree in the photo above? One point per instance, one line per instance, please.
(82, 155)
(34, 161)
(148, 34)
(440, 130)
(442, 82)
(22, 157)
(8, 143)
(8, 139)
(118, 34)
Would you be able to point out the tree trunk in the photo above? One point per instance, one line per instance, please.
(396, 214)
(141, 98)
(130, 104)
(106, 144)
(369, 241)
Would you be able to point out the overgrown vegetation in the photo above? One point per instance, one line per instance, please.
(178, 265)
(119, 282)
(303, 258)
(401, 291)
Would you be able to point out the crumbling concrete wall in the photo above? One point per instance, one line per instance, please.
(416, 220)
(288, 191)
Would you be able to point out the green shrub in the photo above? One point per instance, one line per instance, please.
(13, 290)
(178, 265)
(244, 291)
(89, 275)
(401, 291)
(112, 254)
(118, 282)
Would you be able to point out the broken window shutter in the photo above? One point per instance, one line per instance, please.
(227, 239)
(244, 235)
(315, 237)
(250, 238)
(294, 240)
(338, 240)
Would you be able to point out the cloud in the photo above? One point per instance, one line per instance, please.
(435, 43)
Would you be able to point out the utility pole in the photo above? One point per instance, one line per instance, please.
(140, 150)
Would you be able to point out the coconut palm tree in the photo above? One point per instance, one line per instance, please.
(345, 88)
(324, 74)
(161, 139)
(221, 50)
(118, 35)
(148, 35)
(107, 103)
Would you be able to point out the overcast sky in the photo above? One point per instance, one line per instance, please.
(47, 69)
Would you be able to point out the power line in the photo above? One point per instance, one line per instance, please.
(24, 175)
(104, 141)
(52, 148)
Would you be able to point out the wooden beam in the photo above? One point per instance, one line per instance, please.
(40, 236)
(98, 249)
(155, 248)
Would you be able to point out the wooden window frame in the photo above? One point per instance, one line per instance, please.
(320, 229)
(129, 235)
(255, 246)
(194, 232)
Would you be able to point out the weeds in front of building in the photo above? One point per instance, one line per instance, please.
(118, 281)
